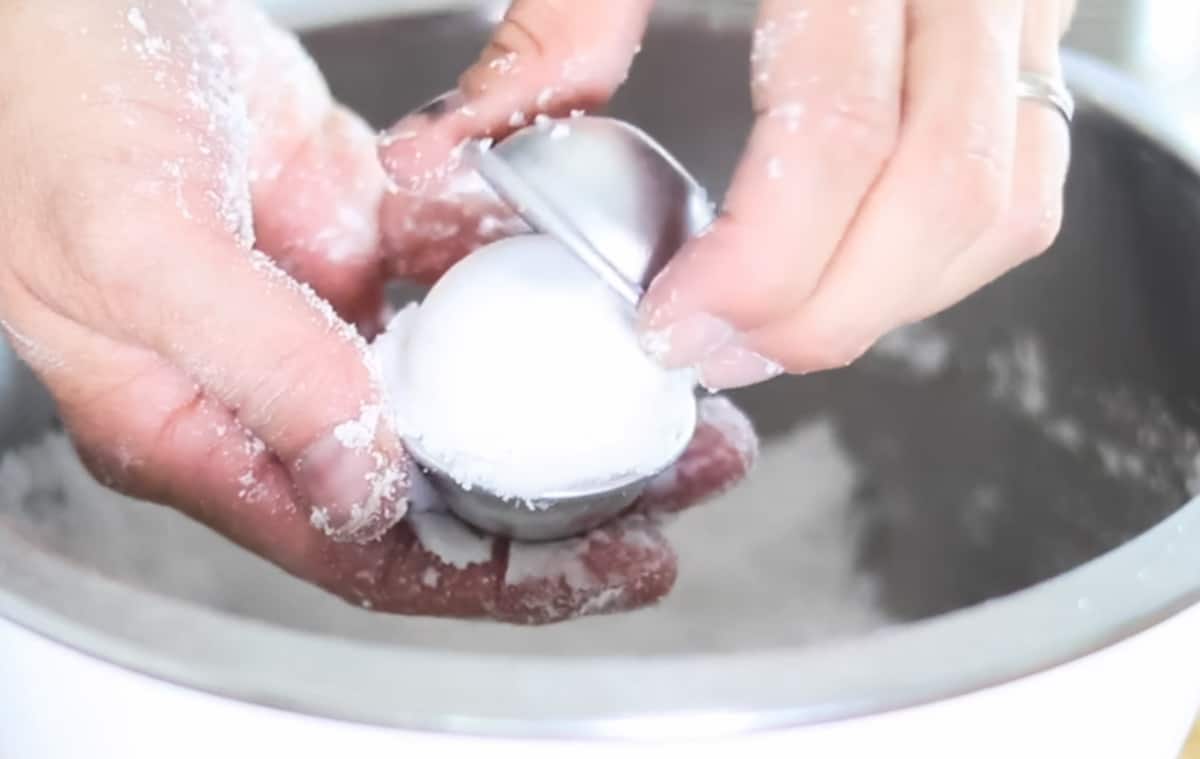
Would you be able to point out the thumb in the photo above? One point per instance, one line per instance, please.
(294, 374)
(546, 56)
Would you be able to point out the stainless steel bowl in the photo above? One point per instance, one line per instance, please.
(1034, 448)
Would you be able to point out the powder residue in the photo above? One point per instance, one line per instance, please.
(450, 540)
(536, 561)
(732, 551)
(359, 433)
(922, 348)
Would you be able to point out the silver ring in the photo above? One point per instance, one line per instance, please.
(1047, 90)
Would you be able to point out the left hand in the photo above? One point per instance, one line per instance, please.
(149, 151)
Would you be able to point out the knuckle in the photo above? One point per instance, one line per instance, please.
(84, 224)
(540, 41)
(293, 370)
(101, 461)
(301, 379)
(521, 34)
(810, 350)
(99, 246)
(1036, 224)
(173, 430)
(986, 191)
(867, 123)
(975, 187)
(826, 355)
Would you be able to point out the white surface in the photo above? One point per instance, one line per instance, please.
(521, 373)
(1136, 699)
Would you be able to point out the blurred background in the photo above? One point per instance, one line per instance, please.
(1158, 41)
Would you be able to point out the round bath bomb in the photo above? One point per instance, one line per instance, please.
(521, 373)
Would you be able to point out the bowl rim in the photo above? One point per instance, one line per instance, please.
(1127, 590)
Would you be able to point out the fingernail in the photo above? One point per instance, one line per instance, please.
(438, 106)
(408, 127)
(687, 342)
(406, 150)
(735, 365)
(354, 489)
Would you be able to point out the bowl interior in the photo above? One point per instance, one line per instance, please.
(1048, 419)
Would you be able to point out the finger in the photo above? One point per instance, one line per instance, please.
(826, 79)
(182, 448)
(618, 567)
(188, 451)
(143, 427)
(304, 382)
(945, 186)
(426, 233)
(163, 265)
(544, 57)
(319, 216)
(269, 349)
(1036, 197)
(722, 453)
(1031, 224)
(315, 180)
(629, 564)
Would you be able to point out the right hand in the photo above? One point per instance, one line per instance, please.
(891, 169)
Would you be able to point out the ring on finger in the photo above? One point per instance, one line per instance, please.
(1047, 90)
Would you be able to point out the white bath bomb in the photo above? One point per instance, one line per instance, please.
(521, 373)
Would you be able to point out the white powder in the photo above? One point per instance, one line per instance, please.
(792, 114)
(521, 373)
(775, 168)
(1132, 438)
(504, 64)
(793, 518)
(431, 577)
(921, 347)
(136, 20)
(450, 540)
(34, 353)
(534, 561)
(359, 433)
(544, 97)
(1020, 375)
(755, 569)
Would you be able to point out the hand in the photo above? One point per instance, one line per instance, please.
(891, 170)
(171, 174)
